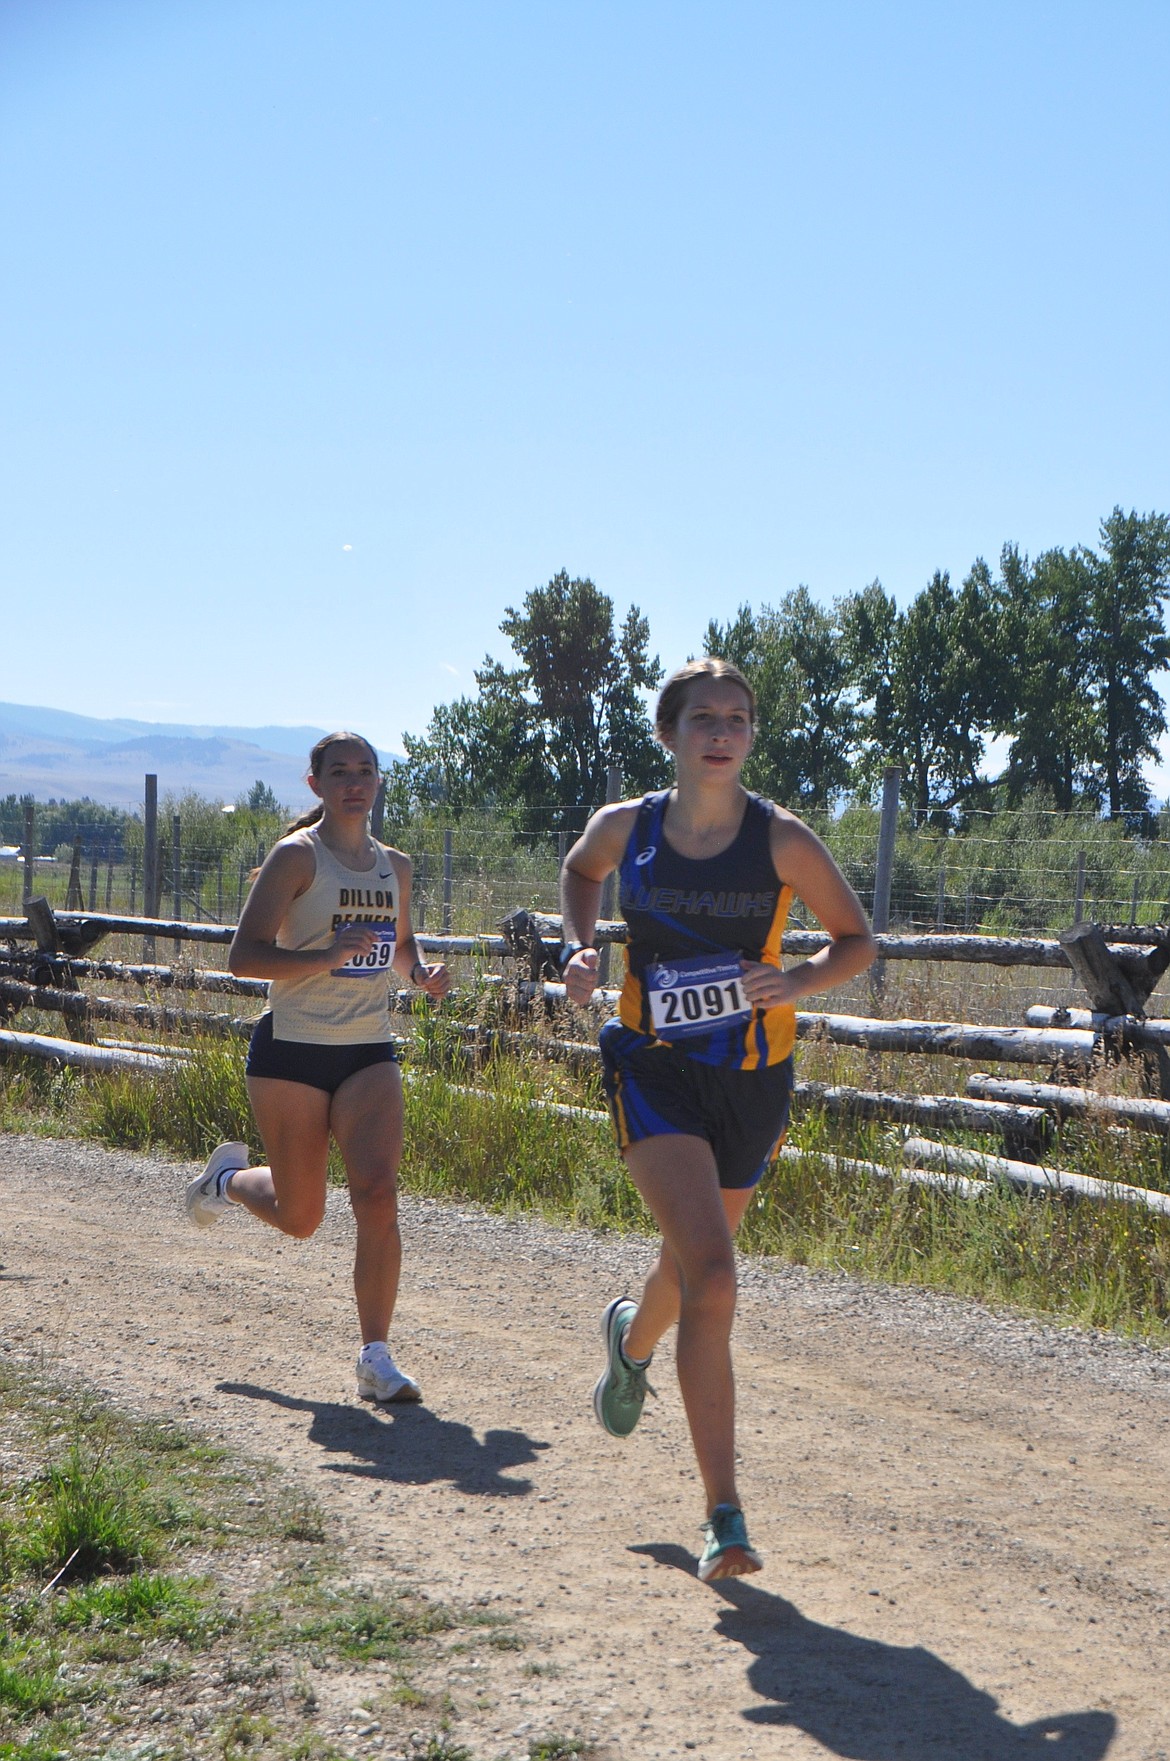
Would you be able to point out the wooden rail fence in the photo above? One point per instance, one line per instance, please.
(45, 977)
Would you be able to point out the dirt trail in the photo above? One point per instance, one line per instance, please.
(963, 1516)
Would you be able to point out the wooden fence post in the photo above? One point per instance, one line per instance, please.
(177, 873)
(613, 792)
(941, 912)
(30, 850)
(94, 858)
(378, 811)
(48, 940)
(150, 861)
(73, 898)
(448, 879)
(883, 880)
(1079, 898)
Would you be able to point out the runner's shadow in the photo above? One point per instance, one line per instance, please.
(406, 1443)
(871, 1701)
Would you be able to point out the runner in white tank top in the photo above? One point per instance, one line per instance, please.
(326, 923)
(313, 1007)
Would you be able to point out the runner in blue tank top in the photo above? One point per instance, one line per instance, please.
(698, 1062)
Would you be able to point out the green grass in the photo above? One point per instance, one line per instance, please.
(27, 1685)
(108, 1493)
(82, 1515)
(145, 1602)
(1095, 1265)
(365, 1628)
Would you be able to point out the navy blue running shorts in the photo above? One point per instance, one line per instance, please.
(317, 1066)
(656, 1091)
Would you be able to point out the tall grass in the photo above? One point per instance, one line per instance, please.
(1104, 1265)
(489, 1137)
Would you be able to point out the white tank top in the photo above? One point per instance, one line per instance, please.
(350, 1006)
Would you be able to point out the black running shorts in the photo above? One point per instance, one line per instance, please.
(325, 1067)
(656, 1091)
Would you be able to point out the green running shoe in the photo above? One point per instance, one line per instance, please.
(622, 1386)
(728, 1553)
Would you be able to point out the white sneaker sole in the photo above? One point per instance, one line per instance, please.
(203, 1208)
(733, 1562)
(404, 1390)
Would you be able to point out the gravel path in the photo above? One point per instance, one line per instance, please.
(963, 1514)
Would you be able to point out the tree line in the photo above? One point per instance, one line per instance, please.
(117, 832)
(1058, 655)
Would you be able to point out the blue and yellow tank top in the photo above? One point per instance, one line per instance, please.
(690, 921)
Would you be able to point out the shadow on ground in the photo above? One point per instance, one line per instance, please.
(870, 1701)
(407, 1443)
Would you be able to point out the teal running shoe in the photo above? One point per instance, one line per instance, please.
(728, 1553)
(622, 1387)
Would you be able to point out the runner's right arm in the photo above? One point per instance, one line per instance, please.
(596, 854)
(287, 873)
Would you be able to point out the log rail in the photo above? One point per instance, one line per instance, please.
(973, 950)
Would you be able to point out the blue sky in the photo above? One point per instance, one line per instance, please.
(332, 328)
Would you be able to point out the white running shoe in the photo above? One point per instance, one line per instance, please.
(379, 1378)
(204, 1205)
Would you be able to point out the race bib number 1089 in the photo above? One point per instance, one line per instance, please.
(377, 960)
(696, 995)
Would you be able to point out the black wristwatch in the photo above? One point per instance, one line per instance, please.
(567, 951)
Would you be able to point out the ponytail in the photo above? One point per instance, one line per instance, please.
(306, 819)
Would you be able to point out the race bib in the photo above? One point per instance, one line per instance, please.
(378, 960)
(695, 995)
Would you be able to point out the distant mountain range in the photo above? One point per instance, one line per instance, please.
(54, 754)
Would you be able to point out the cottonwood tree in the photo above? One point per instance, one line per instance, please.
(543, 734)
(929, 686)
(477, 752)
(582, 678)
(1046, 705)
(1126, 644)
(1084, 639)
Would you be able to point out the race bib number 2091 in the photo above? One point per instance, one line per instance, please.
(696, 995)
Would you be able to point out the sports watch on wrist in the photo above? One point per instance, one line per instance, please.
(567, 951)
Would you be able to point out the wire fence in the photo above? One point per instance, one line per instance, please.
(1029, 871)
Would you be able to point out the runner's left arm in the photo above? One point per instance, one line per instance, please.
(434, 978)
(803, 862)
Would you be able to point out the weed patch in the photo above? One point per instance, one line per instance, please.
(82, 1515)
(27, 1686)
(364, 1628)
